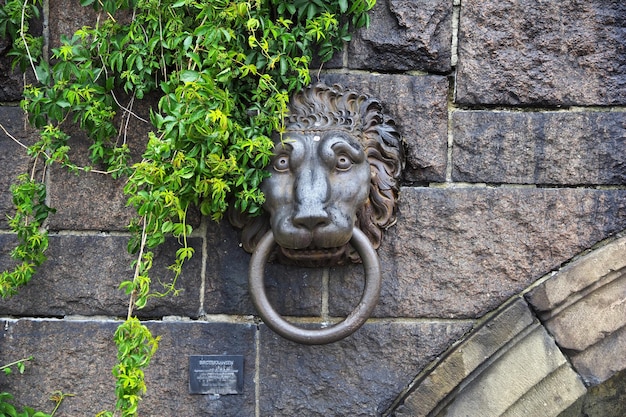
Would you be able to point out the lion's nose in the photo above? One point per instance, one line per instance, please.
(311, 217)
(312, 192)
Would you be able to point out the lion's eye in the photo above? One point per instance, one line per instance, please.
(344, 163)
(281, 163)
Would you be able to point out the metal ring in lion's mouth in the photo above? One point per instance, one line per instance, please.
(330, 334)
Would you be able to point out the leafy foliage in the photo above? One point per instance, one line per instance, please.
(136, 346)
(29, 199)
(19, 365)
(8, 410)
(224, 71)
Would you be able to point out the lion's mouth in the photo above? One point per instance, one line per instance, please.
(314, 256)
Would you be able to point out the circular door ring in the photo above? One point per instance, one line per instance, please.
(330, 334)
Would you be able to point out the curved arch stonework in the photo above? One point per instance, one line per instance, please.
(540, 353)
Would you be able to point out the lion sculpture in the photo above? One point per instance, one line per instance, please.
(336, 167)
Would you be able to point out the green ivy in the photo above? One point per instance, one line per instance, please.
(224, 71)
(136, 346)
(30, 211)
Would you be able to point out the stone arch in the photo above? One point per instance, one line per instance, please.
(542, 353)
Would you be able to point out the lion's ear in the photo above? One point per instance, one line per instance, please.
(252, 228)
(236, 217)
(254, 231)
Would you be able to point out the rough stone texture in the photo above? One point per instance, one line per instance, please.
(82, 277)
(77, 357)
(582, 273)
(605, 400)
(405, 35)
(587, 320)
(455, 253)
(7, 243)
(93, 201)
(357, 376)
(602, 360)
(463, 252)
(178, 341)
(72, 357)
(88, 201)
(13, 158)
(418, 106)
(11, 82)
(436, 384)
(584, 307)
(529, 377)
(532, 52)
(509, 366)
(539, 148)
(291, 290)
(66, 17)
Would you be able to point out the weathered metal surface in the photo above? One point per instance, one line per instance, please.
(337, 165)
(332, 189)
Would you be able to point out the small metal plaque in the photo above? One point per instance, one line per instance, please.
(216, 374)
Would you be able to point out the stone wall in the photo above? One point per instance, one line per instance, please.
(514, 119)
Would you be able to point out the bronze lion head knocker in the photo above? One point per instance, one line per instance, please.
(333, 184)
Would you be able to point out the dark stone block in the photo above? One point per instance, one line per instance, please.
(88, 201)
(462, 252)
(76, 357)
(67, 16)
(334, 63)
(11, 80)
(357, 376)
(291, 290)
(13, 158)
(418, 105)
(405, 35)
(539, 148)
(83, 273)
(168, 378)
(531, 52)
(73, 357)
(91, 200)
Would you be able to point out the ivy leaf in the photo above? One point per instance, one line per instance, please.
(188, 76)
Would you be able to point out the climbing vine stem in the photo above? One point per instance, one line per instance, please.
(223, 70)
